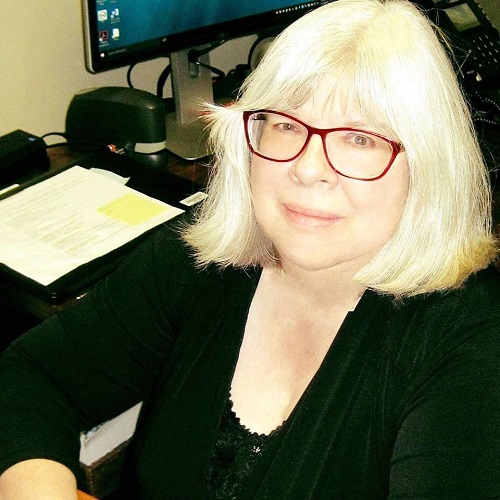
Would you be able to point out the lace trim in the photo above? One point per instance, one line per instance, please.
(246, 429)
(235, 455)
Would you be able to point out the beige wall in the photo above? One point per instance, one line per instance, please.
(42, 64)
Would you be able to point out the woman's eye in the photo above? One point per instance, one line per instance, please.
(360, 140)
(286, 127)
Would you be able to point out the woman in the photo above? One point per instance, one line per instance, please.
(326, 327)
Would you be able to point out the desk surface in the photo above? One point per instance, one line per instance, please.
(170, 183)
(195, 171)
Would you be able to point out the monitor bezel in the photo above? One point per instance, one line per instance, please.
(266, 23)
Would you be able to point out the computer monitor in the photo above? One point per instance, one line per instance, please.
(119, 33)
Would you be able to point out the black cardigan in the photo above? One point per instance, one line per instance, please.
(405, 405)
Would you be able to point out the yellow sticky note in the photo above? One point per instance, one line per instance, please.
(132, 209)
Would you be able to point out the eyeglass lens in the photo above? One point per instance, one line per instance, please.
(354, 153)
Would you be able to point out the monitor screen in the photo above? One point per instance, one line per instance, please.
(124, 32)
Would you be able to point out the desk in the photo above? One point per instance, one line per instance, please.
(171, 183)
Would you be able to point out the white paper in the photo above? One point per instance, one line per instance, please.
(110, 175)
(51, 228)
(194, 198)
(104, 438)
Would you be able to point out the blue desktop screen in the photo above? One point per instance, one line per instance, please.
(125, 22)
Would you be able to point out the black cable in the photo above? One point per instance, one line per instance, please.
(195, 54)
(485, 109)
(486, 117)
(162, 80)
(129, 75)
(217, 71)
(60, 134)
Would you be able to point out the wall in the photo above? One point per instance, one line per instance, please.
(42, 64)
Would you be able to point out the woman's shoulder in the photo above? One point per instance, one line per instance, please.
(477, 296)
(476, 302)
(482, 287)
(429, 328)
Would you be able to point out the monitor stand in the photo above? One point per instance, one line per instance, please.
(187, 133)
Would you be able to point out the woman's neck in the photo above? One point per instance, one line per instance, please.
(322, 287)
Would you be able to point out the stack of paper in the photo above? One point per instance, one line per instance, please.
(51, 228)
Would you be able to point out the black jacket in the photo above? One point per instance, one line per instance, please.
(405, 405)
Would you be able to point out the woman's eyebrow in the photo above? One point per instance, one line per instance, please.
(357, 124)
(379, 128)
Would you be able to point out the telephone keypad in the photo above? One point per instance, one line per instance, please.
(487, 52)
(482, 64)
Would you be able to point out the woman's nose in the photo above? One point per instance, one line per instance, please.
(312, 165)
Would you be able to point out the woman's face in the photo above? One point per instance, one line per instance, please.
(318, 219)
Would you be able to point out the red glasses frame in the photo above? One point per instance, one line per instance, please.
(396, 147)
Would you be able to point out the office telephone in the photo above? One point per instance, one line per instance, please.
(476, 53)
(476, 44)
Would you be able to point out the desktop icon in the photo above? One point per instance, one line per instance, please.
(102, 15)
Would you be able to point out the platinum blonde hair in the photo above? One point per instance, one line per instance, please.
(389, 59)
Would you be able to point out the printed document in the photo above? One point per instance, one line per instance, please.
(51, 228)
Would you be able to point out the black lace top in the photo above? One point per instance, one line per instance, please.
(235, 454)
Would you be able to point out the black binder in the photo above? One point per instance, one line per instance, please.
(154, 182)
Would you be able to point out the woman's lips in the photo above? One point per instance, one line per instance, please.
(310, 218)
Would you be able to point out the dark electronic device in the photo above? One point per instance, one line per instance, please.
(21, 152)
(476, 40)
(476, 43)
(123, 32)
(129, 119)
